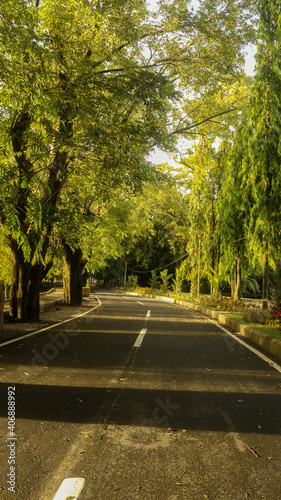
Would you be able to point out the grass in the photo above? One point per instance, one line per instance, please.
(269, 330)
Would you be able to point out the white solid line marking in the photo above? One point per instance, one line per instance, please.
(255, 351)
(53, 326)
(140, 338)
(70, 488)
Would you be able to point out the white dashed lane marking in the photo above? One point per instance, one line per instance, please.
(140, 338)
(70, 488)
(142, 333)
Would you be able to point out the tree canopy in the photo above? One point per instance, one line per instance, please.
(87, 91)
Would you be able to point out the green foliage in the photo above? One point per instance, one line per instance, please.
(87, 90)
(274, 275)
(249, 287)
(177, 282)
(263, 170)
(154, 281)
(132, 281)
(165, 278)
(5, 261)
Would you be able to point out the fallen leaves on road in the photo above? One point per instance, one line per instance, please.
(80, 400)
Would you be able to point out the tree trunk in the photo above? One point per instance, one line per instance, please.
(25, 286)
(73, 268)
(35, 279)
(13, 312)
(236, 284)
(264, 273)
(23, 291)
(215, 281)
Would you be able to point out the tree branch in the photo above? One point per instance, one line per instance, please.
(196, 124)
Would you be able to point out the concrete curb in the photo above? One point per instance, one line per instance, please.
(266, 342)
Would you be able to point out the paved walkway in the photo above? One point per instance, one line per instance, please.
(47, 299)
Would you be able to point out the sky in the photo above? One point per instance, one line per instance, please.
(159, 156)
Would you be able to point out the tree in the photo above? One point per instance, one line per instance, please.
(77, 76)
(59, 94)
(264, 174)
(234, 206)
(5, 264)
(203, 175)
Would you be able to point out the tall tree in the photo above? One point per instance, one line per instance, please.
(233, 207)
(66, 84)
(264, 174)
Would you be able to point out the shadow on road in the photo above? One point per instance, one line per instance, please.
(190, 410)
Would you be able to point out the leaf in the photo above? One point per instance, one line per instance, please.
(80, 400)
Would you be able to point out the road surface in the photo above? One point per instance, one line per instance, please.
(138, 399)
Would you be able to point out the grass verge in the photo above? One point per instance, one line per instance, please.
(272, 331)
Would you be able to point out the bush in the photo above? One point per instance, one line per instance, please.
(261, 316)
(226, 304)
(165, 277)
(153, 281)
(177, 283)
(132, 281)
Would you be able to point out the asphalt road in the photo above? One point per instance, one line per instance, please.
(140, 399)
